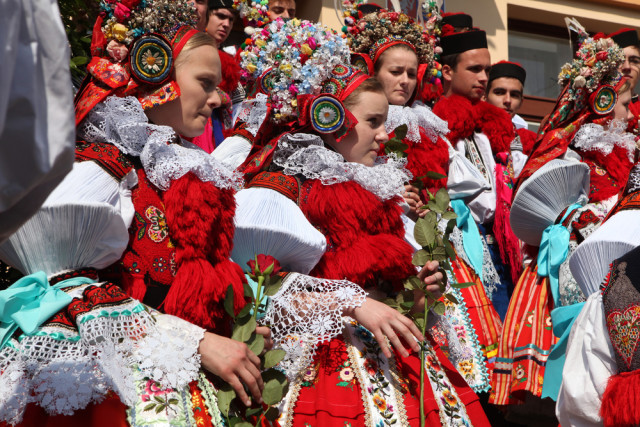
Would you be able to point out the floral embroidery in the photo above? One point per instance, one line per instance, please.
(529, 321)
(347, 377)
(159, 399)
(519, 373)
(548, 325)
(158, 230)
(310, 375)
(134, 268)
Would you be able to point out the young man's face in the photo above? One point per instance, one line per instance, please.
(505, 93)
(282, 9)
(631, 66)
(220, 24)
(201, 9)
(469, 77)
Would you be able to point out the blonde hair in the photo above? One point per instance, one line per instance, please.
(197, 40)
(625, 87)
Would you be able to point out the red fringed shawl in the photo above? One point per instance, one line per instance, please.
(365, 236)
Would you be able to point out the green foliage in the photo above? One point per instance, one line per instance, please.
(395, 144)
(244, 330)
(78, 17)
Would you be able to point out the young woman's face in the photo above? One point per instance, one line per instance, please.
(197, 75)
(621, 110)
(361, 145)
(398, 74)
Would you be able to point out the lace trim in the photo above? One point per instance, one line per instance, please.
(305, 154)
(122, 122)
(64, 374)
(416, 117)
(307, 311)
(465, 352)
(253, 112)
(593, 137)
(490, 276)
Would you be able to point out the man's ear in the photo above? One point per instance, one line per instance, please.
(447, 72)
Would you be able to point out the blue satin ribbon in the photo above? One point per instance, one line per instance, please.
(30, 302)
(562, 319)
(264, 300)
(471, 240)
(554, 248)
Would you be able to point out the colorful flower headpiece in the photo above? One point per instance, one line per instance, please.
(254, 14)
(291, 58)
(126, 20)
(133, 46)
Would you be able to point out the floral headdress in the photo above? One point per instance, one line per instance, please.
(254, 14)
(590, 84)
(287, 59)
(134, 45)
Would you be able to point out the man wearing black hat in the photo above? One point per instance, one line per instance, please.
(628, 40)
(459, 21)
(483, 134)
(221, 18)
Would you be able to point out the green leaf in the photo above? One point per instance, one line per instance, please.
(451, 253)
(239, 422)
(407, 305)
(448, 215)
(243, 329)
(256, 343)
(159, 408)
(275, 385)
(149, 407)
(452, 298)
(225, 395)
(157, 399)
(228, 302)
(439, 308)
(413, 282)
(424, 233)
(79, 60)
(272, 413)
(272, 358)
(462, 285)
(248, 292)
(245, 311)
(419, 322)
(391, 303)
(250, 412)
(401, 131)
(435, 175)
(420, 258)
(439, 253)
(432, 205)
(442, 200)
(273, 287)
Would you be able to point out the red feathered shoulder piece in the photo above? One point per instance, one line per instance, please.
(459, 114)
(528, 139)
(496, 124)
(230, 72)
(365, 236)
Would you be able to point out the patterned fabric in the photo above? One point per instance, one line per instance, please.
(107, 156)
(283, 184)
(621, 299)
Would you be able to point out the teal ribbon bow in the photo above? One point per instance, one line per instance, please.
(30, 302)
(554, 248)
(562, 319)
(471, 240)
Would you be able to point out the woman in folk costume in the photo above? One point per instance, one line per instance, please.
(75, 349)
(579, 128)
(152, 80)
(324, 176)
(401, 57)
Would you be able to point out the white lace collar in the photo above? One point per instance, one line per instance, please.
(305, 154)
(416, 117)
(122, 122)
(593, 137)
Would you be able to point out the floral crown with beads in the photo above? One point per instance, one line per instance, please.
(292, 58)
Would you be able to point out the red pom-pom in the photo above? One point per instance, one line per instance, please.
(200, 220)
(230, 72)
(620, 406)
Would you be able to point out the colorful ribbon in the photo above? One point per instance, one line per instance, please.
(30, 302)
(471, 240)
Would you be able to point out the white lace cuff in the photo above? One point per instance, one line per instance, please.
(307, 311)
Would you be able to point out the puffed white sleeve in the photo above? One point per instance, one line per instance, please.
(589, 364)
(37, 126)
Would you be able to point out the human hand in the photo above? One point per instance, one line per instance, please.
(432, 275)
(412, 197)
(266, 333)
(234, 363)
(382, 321)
